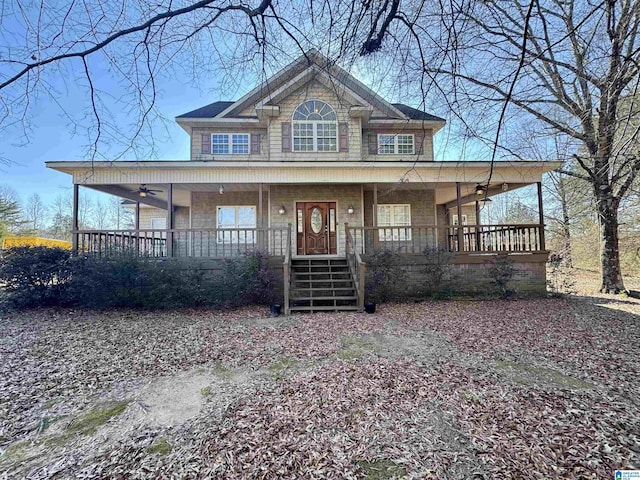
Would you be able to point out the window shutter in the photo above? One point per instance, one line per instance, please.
(286, 136)
(419, 139)
(373, 144)
(255, 143)
(206, 143)
(343, 129)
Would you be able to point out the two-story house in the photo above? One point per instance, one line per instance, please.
(318, 170)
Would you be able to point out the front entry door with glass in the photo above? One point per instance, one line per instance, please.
(316, 228)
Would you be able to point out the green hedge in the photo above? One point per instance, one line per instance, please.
(41, 276)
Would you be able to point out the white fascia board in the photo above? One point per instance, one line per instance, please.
(391, 123)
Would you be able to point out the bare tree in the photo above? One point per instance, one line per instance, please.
(568, 66)
(99, 215)
(36, 213)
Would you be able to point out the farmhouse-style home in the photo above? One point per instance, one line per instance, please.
(319, 171)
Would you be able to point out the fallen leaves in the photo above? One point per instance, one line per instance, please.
(501, 389)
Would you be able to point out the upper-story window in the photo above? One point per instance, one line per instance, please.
(315, 127)
(396, 144)
(233, 143)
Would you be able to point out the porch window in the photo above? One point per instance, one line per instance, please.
(240, 221)
(234, 143)
(389, 144)
(394, 216)
(315, 127)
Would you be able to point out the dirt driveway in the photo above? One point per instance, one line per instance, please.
(492, 389)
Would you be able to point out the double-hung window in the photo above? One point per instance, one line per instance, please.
(240, 221)
(315, 127)
(229, 143)
(396, 144)
(398, 216)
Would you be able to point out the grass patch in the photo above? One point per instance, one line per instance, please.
(535, 374)
(160, 446)
(15, 452)
(90, 421)
(354, 348)
(221, 371)
(205, 391)
(282, 365)
(381, 469)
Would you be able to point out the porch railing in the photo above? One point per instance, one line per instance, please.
(205, 243)
(522, 238)
(357, 267)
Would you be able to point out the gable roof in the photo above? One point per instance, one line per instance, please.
(208, 111)
(309, 65)
(415, 114)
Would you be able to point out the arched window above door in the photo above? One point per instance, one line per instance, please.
(315, 127)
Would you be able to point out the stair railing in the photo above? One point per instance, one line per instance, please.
(357, 267)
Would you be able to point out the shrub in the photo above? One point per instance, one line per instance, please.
(384, 275)
(438, 271)
(35, 276)
(128, 280)
(501, 271)
(248, 280)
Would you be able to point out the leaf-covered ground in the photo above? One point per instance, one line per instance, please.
(490, 389)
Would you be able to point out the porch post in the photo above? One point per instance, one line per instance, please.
(260, 223)
(477, 227)
(74, 219)
(136, 226)
(136, 219)
(376, 233)
(459, 205)
(170, 220)
(541, 217)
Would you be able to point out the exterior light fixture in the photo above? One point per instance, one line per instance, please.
(505, 187)
(480, 190)
(350, 210)
(221, 189)
(282, 210)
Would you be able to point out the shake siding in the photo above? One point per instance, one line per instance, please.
(180, 216)
(314, 91)
(196, 144)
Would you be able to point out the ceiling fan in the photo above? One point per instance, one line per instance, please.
(143, 191)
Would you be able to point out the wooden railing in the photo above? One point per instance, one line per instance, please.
(522, 238)
(205, 243)
(286, 269)
(357, 267)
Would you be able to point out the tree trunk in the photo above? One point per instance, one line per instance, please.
(567, 259)
(610, 254)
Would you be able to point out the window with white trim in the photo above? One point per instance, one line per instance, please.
(240, 220)
(395, 144)
(398, 215)
(230, 143)
(315, 127)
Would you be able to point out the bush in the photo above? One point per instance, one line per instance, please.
(35, 276)
(501, 271)
(382, 283)
(41, 276)
(438, 271)
(127, 280)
